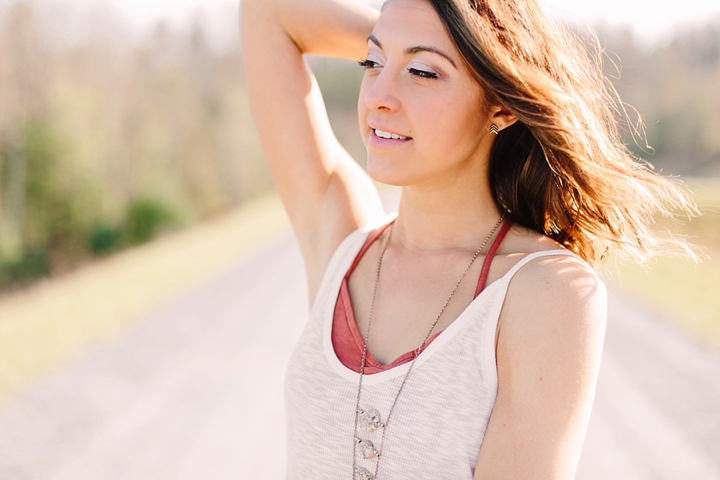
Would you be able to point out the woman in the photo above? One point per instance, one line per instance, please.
(462, 338)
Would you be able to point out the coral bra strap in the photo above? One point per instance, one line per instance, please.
(490, 255)
(365, 248)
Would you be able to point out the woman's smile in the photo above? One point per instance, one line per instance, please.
(385, 137)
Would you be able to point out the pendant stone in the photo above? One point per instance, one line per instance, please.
(369, 421)
(367, 448)
(363, 474)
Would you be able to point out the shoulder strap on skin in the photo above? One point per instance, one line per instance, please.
(490, 255)
(345, 254)
(489, 362)
(370, 240)
(544, 253)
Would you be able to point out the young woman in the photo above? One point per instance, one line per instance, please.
(462, 338)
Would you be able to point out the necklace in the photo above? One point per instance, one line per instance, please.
(369, 420)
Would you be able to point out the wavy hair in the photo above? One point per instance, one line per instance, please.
(563, 168)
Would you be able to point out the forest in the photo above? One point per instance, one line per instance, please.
(107, 140)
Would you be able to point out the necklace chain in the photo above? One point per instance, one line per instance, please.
(361, 473)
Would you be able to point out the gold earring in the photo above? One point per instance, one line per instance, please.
(493, 129)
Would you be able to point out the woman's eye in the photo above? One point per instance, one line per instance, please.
(368, 64)
(422, 73)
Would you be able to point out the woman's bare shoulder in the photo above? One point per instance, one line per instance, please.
(558, 298)
(544, 280)
(548, 346)
(522, 240)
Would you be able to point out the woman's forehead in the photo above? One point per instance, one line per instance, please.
(410, 23)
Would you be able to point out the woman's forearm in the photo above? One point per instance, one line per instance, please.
(331, 28)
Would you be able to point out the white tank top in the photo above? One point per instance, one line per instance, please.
(441, 416)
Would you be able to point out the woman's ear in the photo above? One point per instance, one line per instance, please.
(502, 117)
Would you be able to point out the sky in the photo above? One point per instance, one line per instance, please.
(651, 19)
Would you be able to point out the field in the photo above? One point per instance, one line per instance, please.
(46, 325)
(685, 291)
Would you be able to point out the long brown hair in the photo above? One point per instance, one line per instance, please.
(563, 168)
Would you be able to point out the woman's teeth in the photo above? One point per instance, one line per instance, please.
(382, 134)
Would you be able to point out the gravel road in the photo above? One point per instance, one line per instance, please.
(194, 391)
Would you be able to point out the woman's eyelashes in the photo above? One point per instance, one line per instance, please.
(422, 73)
(368, 64)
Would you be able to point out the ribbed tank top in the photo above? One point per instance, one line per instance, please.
(440, 419)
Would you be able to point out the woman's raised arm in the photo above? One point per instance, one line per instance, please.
(326, 194)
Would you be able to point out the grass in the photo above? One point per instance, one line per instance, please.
(46, 325)
(687, 292)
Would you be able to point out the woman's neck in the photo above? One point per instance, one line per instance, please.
(432, 220)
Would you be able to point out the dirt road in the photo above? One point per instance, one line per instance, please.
(194, 391)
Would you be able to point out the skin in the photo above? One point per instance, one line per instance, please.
(551, 328)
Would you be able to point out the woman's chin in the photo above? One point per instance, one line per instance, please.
(381, 172)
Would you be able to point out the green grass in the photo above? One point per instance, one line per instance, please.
(687, 292)
(44, 326)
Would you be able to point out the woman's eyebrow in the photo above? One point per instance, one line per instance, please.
(419, 48)
(372, 38)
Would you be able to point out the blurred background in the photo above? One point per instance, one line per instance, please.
(131, 177)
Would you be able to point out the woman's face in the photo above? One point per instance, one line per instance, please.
(418, 92)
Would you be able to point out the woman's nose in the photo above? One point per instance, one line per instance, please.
(379, 91)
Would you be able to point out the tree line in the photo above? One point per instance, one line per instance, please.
(106, 142)
(675, 86)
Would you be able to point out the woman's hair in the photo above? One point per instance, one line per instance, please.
(563, 168)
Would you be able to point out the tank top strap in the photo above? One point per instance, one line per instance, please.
(485, 271)
(528, 258)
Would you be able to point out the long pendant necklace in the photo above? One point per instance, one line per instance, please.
(369, 420)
